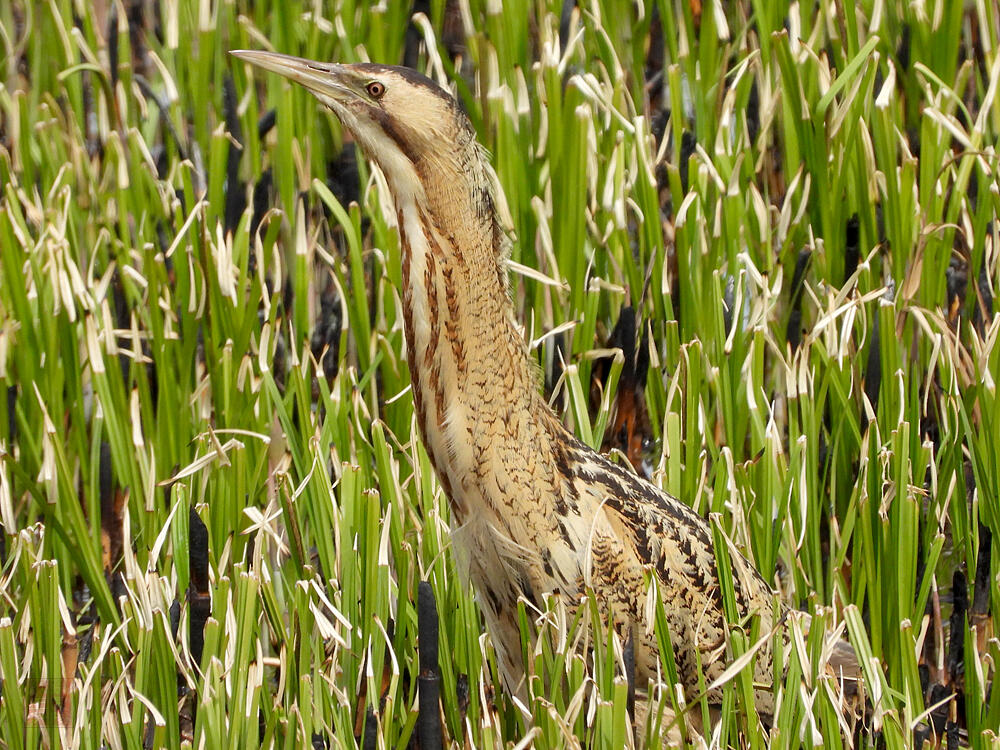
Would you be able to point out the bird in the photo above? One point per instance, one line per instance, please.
(533, 510)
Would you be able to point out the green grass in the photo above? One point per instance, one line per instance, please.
(132, 317)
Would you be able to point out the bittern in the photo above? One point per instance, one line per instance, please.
(533, 510)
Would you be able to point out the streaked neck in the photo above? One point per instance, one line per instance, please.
(468, 364)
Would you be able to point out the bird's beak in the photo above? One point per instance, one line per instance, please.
(328, 81)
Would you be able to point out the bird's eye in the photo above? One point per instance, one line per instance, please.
(375, 89)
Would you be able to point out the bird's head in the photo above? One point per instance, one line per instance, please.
(402, 120)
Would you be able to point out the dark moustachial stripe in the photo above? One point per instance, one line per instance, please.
(390, 128)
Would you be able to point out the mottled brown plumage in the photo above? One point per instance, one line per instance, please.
(534, 510)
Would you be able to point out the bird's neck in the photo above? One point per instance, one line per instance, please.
(474, 388)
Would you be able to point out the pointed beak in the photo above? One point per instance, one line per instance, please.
(328, 81)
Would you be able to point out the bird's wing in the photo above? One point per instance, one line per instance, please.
(638, 528)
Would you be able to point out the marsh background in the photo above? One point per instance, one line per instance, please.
(214, 510)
